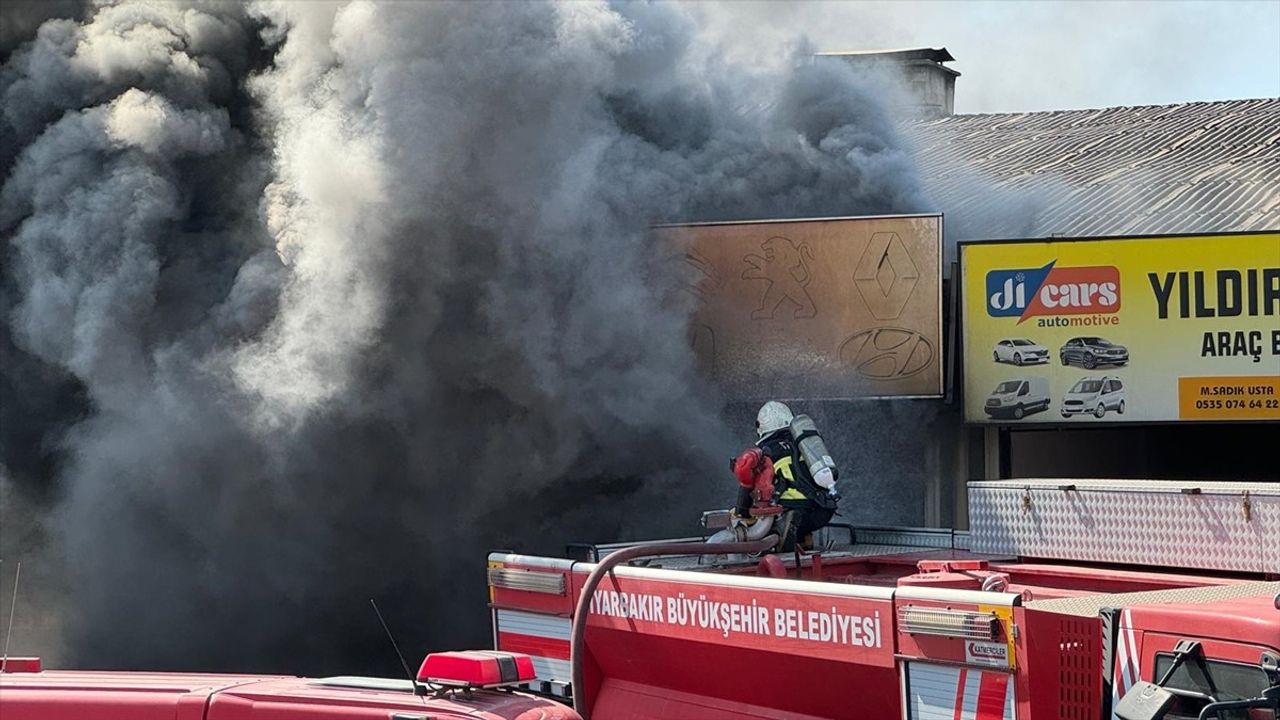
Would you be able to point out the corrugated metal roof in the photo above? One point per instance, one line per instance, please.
(1191, 167)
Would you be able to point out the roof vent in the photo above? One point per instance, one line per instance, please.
(928, 87)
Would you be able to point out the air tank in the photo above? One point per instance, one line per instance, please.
(814, 452)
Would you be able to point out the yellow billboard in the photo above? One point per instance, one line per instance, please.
(1138, 329)
(828, 308)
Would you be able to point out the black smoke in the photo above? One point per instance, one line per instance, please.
(21, 19)
(307, 303)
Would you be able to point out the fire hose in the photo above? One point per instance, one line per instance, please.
(612, 560)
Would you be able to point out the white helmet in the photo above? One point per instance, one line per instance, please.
(773, 416)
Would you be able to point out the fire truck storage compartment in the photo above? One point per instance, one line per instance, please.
(1062, 660)
(945, 692)
(1233, 527)
(672, 644)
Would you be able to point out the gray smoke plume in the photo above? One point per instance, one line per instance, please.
(317, 302)
(20, 19)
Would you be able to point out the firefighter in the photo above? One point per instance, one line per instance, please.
(809, 504)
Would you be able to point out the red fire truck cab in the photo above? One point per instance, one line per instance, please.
(450, 686)
(1063, 599)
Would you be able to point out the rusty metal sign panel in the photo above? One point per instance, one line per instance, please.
(828, 308)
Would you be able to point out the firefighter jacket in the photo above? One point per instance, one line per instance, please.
(794, 485)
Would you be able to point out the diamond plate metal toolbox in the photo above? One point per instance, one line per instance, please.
(1188, 525)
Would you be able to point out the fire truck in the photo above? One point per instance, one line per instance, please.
(449, 686)
(1065, 600)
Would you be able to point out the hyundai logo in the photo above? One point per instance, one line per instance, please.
(887, 353)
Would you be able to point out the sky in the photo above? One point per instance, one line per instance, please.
(1031, 56)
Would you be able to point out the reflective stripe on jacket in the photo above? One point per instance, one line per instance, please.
(779, 448)
(782, 470)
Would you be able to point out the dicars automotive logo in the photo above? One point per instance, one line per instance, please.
(1050, 290)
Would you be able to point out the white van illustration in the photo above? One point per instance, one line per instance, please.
(1018, 398)
(1094, 395)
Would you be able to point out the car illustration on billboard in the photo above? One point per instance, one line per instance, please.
(1019, 351)
(1090, 352)
(1018, 397)
(1095, 396)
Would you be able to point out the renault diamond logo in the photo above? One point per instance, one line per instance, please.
(886, 276)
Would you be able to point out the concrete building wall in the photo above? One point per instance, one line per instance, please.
(898, 459)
